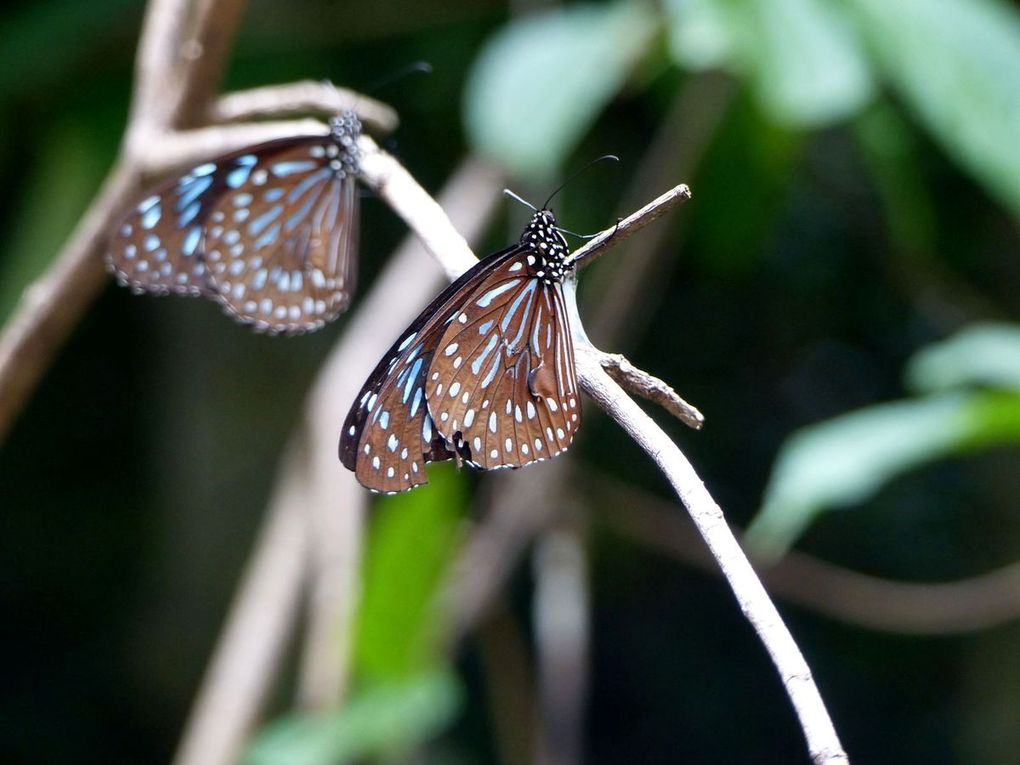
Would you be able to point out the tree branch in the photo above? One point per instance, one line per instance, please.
(910, 608)
(652, 388)
(300, 98)
(629, 226)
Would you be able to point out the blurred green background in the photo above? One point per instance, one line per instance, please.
(838, 298)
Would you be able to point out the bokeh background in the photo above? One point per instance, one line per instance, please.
(838, 298)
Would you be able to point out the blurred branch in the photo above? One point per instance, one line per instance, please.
(912, 608)
(503, 653)
(562, 636)
(204, 51)
(251, 647)
(648, 386)
(300, 98)
(332, 497)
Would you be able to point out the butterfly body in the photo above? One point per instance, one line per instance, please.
(484, 375)
(269, 232)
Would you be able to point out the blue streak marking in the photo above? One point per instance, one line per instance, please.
(151, 242)
(407, 341)
(283, 169)
(297, 217)
(192, 191)
(148, 202)
(529, 290)
(237, 176)
(206, 169)
(476, 365)
(486, 326)
(492, 372)
(273, 195)
(384, 420)
(411, 379)
(492, 294)
(268, 237)
(258, 225)
(524, 319)
(151, 216)
(416, 401)
(191, 240)
(189, 215)
(246, 160)
(307, 183)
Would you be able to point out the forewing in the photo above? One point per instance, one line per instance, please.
(281, 241)
(156, 247)
(391, 413)
(503, 386)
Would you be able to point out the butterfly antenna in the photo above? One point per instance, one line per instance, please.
(413, 68)
(520, 199)
(603, 158)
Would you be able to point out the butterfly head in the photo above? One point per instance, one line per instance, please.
(549, 247)
(344, 129)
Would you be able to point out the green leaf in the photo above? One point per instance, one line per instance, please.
(847, 459)
(383, 720)
(58, 191)
(957, 64)
(541, 82)
(982, 354)
(802, 57)
(412, 540)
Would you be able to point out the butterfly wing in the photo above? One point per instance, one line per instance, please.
(389, 435)
(156, 247)
(502, 386)
(280, 242)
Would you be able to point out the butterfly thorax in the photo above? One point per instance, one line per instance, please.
(548, 246)
(343, 151)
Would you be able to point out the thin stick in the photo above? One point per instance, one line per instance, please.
(908, 608)
(629, 226)
(300, 98)
(652, 388)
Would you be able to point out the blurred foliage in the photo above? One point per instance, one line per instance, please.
(827, 299)
(388, 719)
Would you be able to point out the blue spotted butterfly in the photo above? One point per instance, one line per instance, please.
(270, 232)
(484, 375)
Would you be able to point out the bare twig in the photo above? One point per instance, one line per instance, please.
(629, 226)
(911, 608)
(204, 50)
(652, 388)
(300, 98)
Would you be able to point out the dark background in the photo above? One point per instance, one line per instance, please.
(817, 256)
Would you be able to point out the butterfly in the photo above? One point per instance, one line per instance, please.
(270, 232)
(484, 375)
